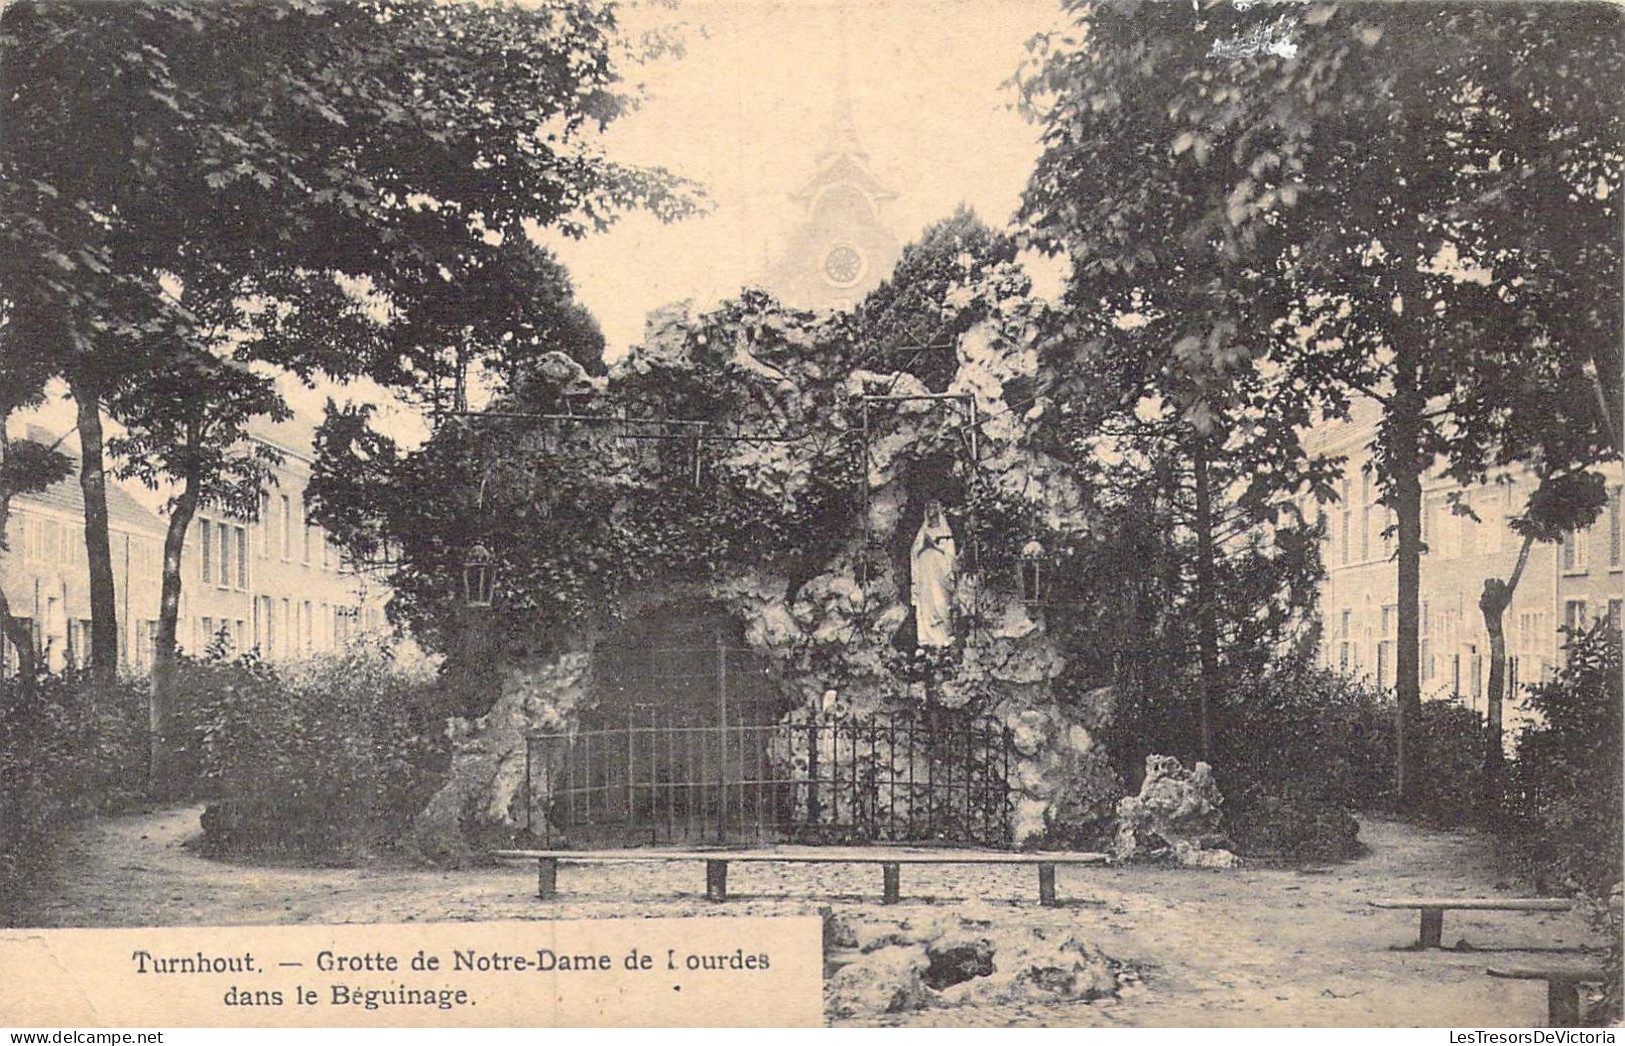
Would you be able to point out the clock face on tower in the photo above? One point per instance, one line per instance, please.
(843, 265)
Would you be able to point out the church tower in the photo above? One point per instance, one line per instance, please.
(842, 247)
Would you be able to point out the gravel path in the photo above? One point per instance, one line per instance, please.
(1249, 947)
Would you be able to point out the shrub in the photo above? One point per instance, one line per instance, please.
(1305, 733)
(1297, 748)
(1563, 800)
(332, 763)
(1292, 828)
(1308, 734)
(69, 750)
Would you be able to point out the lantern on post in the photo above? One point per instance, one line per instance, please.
(479, 576)
(1033, 581)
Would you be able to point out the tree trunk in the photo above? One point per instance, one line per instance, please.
(1207, 629)
(161, 708)
(1403, 460)
(22, 639)
(1497, 597)
(98, 546)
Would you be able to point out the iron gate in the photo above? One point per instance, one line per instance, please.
(668, 775)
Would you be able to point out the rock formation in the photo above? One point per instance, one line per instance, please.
(829, 609)
(1176, 814)
(964, 957)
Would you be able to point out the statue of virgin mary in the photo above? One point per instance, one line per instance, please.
(932, 562)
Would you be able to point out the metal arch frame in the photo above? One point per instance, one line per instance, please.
(973, 438)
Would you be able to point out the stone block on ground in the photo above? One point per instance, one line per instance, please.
(1176, 814)
(968, 955)
(888, 980)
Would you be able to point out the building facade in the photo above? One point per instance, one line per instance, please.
(46, 574)
(1572, 584)
(843, 247)
(275, 584)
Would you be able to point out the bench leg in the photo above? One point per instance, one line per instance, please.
(1432, 928)
(1046, 885)
(547, 877)
(1562, 1003)
(892, 875)
(716, 880)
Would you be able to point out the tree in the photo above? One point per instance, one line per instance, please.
(494, 319)
(186, 426)
(1480, 270)
(382, 141)
(1349, 169)
(1169, 306)
(1210, 520)
(914, 319)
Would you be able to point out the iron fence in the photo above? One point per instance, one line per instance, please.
(830, 776)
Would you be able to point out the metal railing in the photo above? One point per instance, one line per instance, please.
(830, 776)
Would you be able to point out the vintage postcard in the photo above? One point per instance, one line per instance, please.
(741, 513)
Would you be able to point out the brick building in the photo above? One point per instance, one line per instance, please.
(1569, 584)
(275, 584)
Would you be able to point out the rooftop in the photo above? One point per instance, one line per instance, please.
(123, 511)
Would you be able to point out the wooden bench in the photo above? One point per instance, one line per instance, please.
(1562, 987)
(890, 861)
(1433, 909)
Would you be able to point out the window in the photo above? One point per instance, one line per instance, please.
(1468, 536)
(242, 558)
(1385, 645)
(1446, 529)
(310, 627)
(205, 536)
(1574, 615)
(1343, 640)
(1613, 613)
(1498, 508)
(1365, 516)
(287, 529)
(1574, 552)
(304, 517)
(78, 642)
(290, 637)
(225, 555)
(265, 525)
(1613, 528)
(1343, 520)
(322, 537)
(1427, 666)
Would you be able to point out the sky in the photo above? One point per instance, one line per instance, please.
(744, 112)
(746, 109)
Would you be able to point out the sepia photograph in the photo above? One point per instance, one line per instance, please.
(852, 513)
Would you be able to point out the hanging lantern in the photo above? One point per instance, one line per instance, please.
(479, 577)
(1033, 580)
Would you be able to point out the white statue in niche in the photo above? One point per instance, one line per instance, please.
(932, 564)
